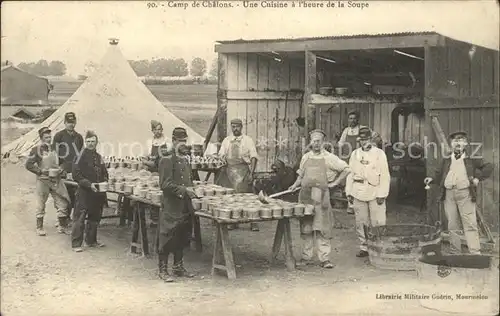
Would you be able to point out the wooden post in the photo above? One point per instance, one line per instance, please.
(222, 99)
(310, 88)
(432, 161)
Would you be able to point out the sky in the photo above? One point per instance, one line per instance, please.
(77, 32)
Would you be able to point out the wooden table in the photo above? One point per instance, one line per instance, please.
(140, 229)
(223, 252)
(140, 242)
(119, 201)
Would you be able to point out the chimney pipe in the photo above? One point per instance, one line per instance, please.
(113, 41)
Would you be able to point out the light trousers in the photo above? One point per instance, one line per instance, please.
(461, 212)
(323, 246)
(369, 214)
(42, 194)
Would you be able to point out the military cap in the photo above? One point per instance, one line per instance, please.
(90, 134)
(154, 124)
(364, 133)
(353, 112)
(179, 133)
(316, 132)
(70, 117)
(237, 121)
(458, 134)
(43, 130)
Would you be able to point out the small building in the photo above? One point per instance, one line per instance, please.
(23, 88)
(409, 87)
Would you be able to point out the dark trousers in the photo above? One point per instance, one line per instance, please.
(85, 222)
(72, 198)
(179, 240)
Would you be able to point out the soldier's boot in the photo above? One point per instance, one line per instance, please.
(39, 227)
(62, 228)
(180, 271)
(178, 268)
(163, 269)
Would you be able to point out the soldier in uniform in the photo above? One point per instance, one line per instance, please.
(42, 158)
(175, 222)
(69, 144)
(88, 170)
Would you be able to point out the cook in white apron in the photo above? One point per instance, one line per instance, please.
(314, 173)
(241, 158)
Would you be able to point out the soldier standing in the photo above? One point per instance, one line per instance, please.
(175, 223)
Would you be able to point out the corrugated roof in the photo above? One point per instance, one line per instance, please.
(241, 41)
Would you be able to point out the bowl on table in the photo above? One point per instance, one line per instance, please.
(102, 186)
(298, 209)
(53, 172)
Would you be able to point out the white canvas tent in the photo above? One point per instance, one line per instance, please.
(115, 104)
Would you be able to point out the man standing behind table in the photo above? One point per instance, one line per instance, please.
(367, 186)
(458, 180)
(241, 155)
(42, 158)
(177, 211)
(319, 171)
(69, 144)
(88, 170)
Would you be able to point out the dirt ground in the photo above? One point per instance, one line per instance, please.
(42, 276)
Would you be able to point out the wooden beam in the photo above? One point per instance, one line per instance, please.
(438, 131)
(263, 95)
(310, 89)
(442, 103)
(222, 98)
(376, 75)
(319, 99)
(325, 44)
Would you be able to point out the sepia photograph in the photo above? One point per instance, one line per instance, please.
(253, 157)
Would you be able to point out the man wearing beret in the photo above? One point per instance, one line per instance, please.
(88, 170)
(241, 156)
(69, 145)
(319, 171)
(458, 179)
(367, 186)
(43, 158)
(175, 223)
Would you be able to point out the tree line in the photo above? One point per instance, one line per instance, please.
(44, 68)
(159, 67)
(173, 67)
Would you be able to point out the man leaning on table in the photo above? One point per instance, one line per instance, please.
(241, 156)
(319, 171)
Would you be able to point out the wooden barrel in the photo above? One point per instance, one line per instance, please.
(398, 247)
(463, 284)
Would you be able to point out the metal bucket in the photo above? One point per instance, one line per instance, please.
(463, 284)
(398, 247)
